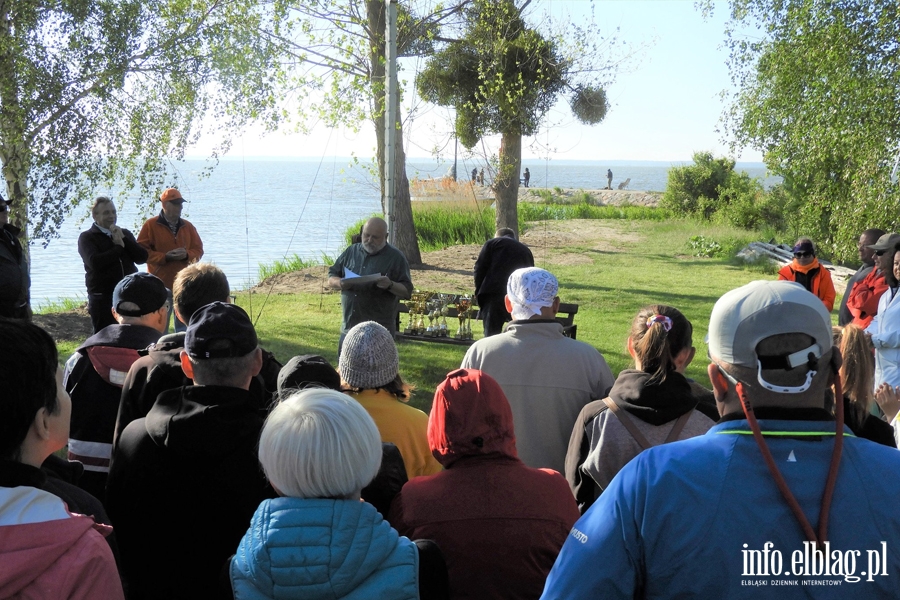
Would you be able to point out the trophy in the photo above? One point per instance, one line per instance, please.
(421, 310)
(414, 304)
(443, 328)
(432, 313)
(463, 303)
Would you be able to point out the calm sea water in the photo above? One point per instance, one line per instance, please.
(257, 211)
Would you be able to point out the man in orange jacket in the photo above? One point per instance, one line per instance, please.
(172, 243)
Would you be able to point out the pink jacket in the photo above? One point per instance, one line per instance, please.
(46, 552)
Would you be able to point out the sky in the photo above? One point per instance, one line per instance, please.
(664, 108)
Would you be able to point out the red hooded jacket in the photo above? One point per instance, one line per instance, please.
(499, 523)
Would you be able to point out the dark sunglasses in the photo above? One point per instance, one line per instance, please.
(802, 254)
(880, 252)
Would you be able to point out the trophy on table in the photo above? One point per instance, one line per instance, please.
(416, 304)
(432, 311)
(463, 304)
(443, 328)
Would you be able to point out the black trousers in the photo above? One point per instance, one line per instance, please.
(493, 313)
(100, 309)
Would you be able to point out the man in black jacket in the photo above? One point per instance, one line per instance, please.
(14, 278)
(96, 371)
(109, 254)
(184, 481)
(499, 257)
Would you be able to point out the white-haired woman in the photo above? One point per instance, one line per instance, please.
(319, 448)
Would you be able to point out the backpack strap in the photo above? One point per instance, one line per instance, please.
(628, 423)
(639, 437)
(678, 426)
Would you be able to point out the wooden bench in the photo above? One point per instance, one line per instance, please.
(565, 316)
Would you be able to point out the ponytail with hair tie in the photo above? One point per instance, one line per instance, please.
(664, 320)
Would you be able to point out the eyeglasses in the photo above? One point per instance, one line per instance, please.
(880, 252)
(802, 254)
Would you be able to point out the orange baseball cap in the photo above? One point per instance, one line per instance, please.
(171, 195)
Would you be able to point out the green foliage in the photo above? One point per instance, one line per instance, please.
(818, 95)
(442, 226)
(700, 246)
(544, 194)
(288, 265)
(558, 212)
(94, 94)
(712, 190)
(60, 305)
(695, 188)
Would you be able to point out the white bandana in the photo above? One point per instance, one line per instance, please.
(529, 291)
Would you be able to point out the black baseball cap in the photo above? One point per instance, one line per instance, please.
(308, 370)
(220, 330)
(144, 290)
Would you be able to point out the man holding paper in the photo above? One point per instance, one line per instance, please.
(373, 276)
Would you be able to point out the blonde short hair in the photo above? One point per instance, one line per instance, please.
(320, 443)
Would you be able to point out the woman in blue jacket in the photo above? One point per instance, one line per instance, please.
(319, 448)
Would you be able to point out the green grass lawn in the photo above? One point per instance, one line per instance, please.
(653, 266)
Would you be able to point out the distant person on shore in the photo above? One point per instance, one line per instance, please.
(498, 258)
(806, 270)
(109, 253)
(481, 177)
(609, 177)
(474, 175)
(384, 275)
(14, 278)
(527, 176)
(171, 242)
(867, 256)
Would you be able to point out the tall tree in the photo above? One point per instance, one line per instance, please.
(339, 76)
(502, 76)
(819, 95)
(96, 92)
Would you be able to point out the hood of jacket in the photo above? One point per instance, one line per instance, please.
(655, 404)
(203, 420)
(323, 548)
(37, 531)
(137, 337)
(470, 416)
(167, 350)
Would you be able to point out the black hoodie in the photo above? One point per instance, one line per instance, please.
(183, 484)
(160, 370)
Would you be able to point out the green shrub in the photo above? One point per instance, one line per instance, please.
(559, 212)
(712, 190)
(700, 246)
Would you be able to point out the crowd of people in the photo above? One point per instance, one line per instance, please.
(198, 466)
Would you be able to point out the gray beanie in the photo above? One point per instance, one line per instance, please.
(369, 357)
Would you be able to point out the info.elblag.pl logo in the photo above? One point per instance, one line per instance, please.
(813, 562)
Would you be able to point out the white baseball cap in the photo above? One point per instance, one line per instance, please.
(745, 316)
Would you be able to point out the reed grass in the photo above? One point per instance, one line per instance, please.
(288, 265)
(560, 212)
(59, 305)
